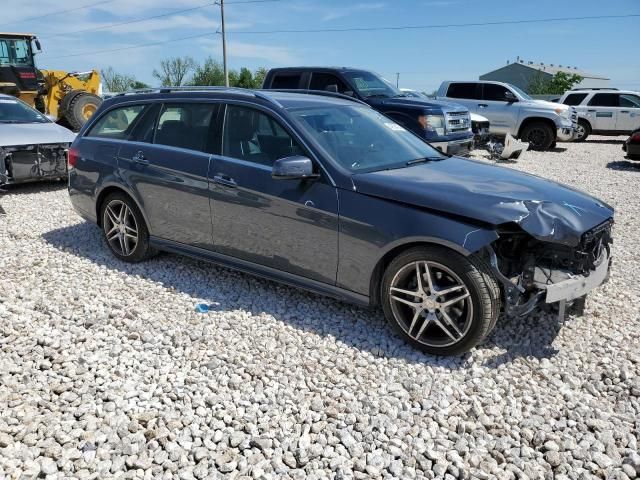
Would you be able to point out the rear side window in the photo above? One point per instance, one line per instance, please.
(492, 92)
(286, 81)
(116, 123)
(604, 100)
(325, 81)
(187, 125)
(574, 99)
(463, 90)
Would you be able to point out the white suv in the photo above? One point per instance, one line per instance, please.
(604, 111)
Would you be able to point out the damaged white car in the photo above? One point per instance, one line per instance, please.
(32, 147)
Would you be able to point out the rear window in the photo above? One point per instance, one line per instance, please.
(463, 90)
(116, 123)
(574, 99)
(286, 81)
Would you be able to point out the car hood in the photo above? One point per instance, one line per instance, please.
(492, 195)
(426, 104)
(544, 105)
(15, 134)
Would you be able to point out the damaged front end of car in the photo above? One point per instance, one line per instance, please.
(536, 272)
(27, 163)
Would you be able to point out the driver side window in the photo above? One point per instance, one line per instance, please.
(496, 93)
(252, 135)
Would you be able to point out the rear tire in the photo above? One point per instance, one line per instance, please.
(584, 130)
(539, 135)
(439, 301)
(124, 228)
(80, 109)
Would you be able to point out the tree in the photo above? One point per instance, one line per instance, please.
(174, 71)
(118, 82)
(557, 85)
(258, 77)
(211, 72)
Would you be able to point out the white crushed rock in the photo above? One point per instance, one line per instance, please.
(106, 371)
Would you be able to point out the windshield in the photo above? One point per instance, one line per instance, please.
(14, 51)
(520, 92)
(361, 139)
(371, 85)
(15, 111)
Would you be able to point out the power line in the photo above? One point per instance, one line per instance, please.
(129, 22)
(37, 17)
(355, 29)
(435, 26)
(130, 47)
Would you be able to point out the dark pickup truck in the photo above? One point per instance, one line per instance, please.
(446, 126)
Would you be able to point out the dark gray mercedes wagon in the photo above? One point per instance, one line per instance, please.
(320, 191)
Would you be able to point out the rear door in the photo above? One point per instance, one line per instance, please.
(629, 113)
(166, 165)
(286, 80)
(288, 225)
(602, 111)
(502, 114)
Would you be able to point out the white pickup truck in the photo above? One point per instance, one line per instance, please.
(512, 112)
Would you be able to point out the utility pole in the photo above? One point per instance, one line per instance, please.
(398, 79)
(224, 45)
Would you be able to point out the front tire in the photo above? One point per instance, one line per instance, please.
(439, 301)
(584, 130)
(539, 135)
(124, 229)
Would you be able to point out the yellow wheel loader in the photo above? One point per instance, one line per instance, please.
(68, 97)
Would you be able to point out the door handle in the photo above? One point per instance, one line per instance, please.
(140, 158)
(591, 111)
(225, 180)
(483, 105)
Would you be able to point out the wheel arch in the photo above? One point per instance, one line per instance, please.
(528, 121)
(113, 188)
(585, 120)
(394, 250)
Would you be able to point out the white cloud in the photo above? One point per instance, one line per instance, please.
(268, 53)
(328, 13)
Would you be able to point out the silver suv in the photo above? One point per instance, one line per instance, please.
(512, 112)
(604, 111)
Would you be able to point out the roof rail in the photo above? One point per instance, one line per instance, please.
(204, 88)
(323, 93)
(593, 88)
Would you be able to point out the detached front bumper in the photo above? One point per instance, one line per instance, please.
(567, 286)
(566, 134)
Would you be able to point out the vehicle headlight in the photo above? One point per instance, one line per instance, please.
(436, 123)
(563, 112)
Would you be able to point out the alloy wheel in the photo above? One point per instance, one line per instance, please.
(431, 303)
(580, 131)
(120, 227)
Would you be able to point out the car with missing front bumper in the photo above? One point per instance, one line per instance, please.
(32, 147)
(322, 192)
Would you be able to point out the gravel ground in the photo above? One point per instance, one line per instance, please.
(106, 370)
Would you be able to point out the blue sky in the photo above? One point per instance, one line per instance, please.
(423, 57)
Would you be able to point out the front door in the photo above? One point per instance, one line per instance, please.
(167, 169)
(289, 225)
(629, 113)
(501, 113)
(602, 111)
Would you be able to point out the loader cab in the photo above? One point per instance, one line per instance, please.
(18, 73)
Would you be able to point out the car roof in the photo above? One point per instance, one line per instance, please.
(269, 98)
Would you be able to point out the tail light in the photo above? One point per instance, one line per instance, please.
(72, 157)
(635, 137)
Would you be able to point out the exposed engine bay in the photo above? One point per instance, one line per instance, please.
(33, 162)
(534, 272)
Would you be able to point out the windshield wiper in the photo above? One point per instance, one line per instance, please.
(378, 95)
(424, 160)
(400, 95)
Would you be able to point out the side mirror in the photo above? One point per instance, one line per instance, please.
(38, 46)
(331, 88)
(349, 93)
(293, 168)
(510, 97)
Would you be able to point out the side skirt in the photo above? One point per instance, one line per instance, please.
(260, 271)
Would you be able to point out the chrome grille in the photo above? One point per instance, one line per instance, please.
(457, 121)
